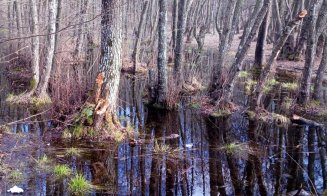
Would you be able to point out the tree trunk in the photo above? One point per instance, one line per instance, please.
(17, 10)
(178, 73)
(139, 34)
(44, 80)
(229, 83)
(35, 45)
(259, 58)
(110, 65)
(320, 73)
(305, 88)
(162, 87)
(269, 68)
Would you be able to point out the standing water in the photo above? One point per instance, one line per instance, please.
(173, 153)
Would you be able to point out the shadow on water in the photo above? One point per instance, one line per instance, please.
(177, 153)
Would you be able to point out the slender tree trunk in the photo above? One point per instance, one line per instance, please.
(305, 88)
(229, 83)
(174, 26)
(320, 73)
(162, 87)
(259, 58)
(140, 32)
(46, 73)
(17, 10)
(269, 68)
(178, 73)
(35, 45)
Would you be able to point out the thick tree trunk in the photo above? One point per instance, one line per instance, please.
(320, 73)
(139, 34)
(305, 88)
(44, 80)
(35, 45)
(162, 87)
(110, 65)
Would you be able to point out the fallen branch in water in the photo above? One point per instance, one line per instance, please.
(303, 121)
(24, 119)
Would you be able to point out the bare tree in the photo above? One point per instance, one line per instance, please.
(162, 87)
(41, 90)
(110, 64)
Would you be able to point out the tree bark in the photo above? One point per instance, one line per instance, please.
(35, 45)
(270, 68)
(259, 58)
(304, 95)
(140, 32)
(162, 87)
(110, 64)
(228, 85)
(320, 73)
(44, 80)
(178, 74)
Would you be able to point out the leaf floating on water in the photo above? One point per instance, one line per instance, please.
(15, 190)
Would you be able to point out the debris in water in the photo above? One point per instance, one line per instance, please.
(189, 145)
(15, 190)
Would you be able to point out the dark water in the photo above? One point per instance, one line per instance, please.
(179, 153)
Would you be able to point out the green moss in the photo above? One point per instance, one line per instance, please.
(251, 114)
(249, 85)
(230, 148)
(290, 86)
(195, 105)
(40, 102)
(78, 131)
(270, 84)
(73, 152)
(78, 185)
(33, 84)
(62, 171)
(15, 176)
(66, 134)
(220, 113)
(243, 74)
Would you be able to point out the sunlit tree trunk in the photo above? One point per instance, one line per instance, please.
(180, 41)
(162, 54)
(139, 34)
(320, 73)
(110, 64)
(305, 88)
(35, 45)
(41, 90)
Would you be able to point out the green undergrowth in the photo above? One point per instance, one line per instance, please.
(61, 171)
(78, 185)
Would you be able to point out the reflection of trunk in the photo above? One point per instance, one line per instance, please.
(322, 152)
(217, 184)
(312, 154)
(279, 165)
(295, 158)
(256, 163)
